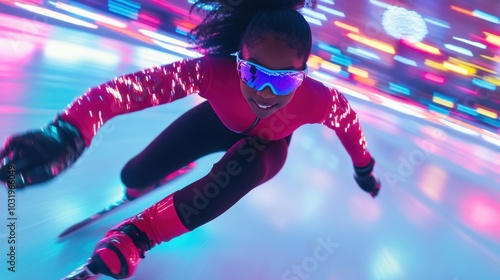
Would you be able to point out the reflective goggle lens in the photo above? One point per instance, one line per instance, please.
(281, 82)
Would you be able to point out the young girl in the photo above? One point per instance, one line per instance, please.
(256, 99)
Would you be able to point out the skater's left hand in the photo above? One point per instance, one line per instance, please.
(39, 155)
(366, 179)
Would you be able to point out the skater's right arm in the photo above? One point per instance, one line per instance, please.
(42, 154)
(136, 91)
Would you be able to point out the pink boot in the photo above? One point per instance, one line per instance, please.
(118, 253)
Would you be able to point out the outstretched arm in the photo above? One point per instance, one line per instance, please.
(42, 154)
(134, 92)
(345, 122)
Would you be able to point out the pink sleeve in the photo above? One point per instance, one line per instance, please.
(341, 118)
(134, 92)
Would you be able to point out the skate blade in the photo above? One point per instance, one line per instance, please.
(81, 273)
(101, 214)
(112, 207)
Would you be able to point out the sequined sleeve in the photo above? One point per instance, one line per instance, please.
(134, 92)
(341, 118)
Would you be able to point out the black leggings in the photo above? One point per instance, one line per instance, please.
(247, 163)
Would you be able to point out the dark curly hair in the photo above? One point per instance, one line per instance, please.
(230, 24)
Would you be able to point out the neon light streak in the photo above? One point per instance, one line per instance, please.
(472, 43)
(346, 26)
(434, 78)
(458, 49)
(372, 43)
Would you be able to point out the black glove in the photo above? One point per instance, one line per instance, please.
(366, 180)
(42, 154)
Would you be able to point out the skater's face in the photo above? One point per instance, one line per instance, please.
(274, 54)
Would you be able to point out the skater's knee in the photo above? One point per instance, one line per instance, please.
(260, 160)
(131, 176)
(273, 160)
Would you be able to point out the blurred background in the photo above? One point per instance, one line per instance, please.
(442, 56)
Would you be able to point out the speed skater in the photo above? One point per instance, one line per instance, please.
(253, 76)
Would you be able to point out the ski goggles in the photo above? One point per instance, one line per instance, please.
(281, 82)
